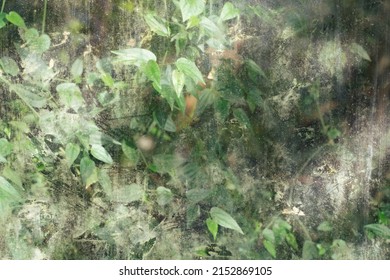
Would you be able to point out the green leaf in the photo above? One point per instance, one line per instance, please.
(270, 247)
(88, 171)
(242, 117)
(212, 227)
(134, 56)
(5, 147)
(72, 151)
(309, 250)
(164, 196)
(13, 176)
(360, 51)
(291, 240)
(16, 19)
(325, 227)
(70, 95)
(224, 219)
(213, 30)
(197, 195)
(178, 80)
(40, 44)
(379, 230)
(28, 96)
(190, 8)
(131, 153)
(269, 235)
(189, 69)
(228, 12)
(100, 153)
(128, 194)
(7, 191)
(152, 71)
(77, 68)
(9, 66)
(2, 20)
(158, 25)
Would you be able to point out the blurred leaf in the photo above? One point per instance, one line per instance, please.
(70, 95)
(213, 31)
(128, 194)
(105, 181)
(77, 68)
(190, 8)
(100, 153)
(224, 219)
(309, 251)
(2, 20)
(9, 66)
(212, 227)
(189, 69)
(152, 71)
(269, 235)
(134, 56)
(291, 240)
(31, 98)
(7, 191)
(197, 195)
(228, 12)
(5, 147)
(270, 247)
(16, 19)
(164, 196)
(170, 126)
(360, 51)
(88, 171)
(325, 226)
(130, 153)
(379, 230)
(339, 250)
(158, 25)
(72, 151)
(165, 163)
(242, 117)
(178, 80)
(40, 44)
(192, 214)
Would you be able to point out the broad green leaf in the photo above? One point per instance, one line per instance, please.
(170, 126)
(242, 117)
(309, 250)
(379, 230)
(5, 147)
(164, 196)
(131, 153)
(28, 96)
(100, 153)
(128, 194)
(270, 247)
(212, 227)
(152, 71)
(158, 25)
(13, 176)
(72, 151)
(291, 240)
(134, 56)
(224, 219)
(178, 80)
(70, 95)
(2, 20)
(325, 226)
(77, 68)
(269, 235)
(40, 44)
(188, 68)
(30, 35)
(16, 19)
(9, 66)
(88, 171)
(169, 94)
(190, 8)
(197, 195)
(213, 29)
(228, 12)
(360, 51)
(7, 191)
(105, 181)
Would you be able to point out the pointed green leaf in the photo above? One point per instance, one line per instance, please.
(70, 95)
(7, 191)
(9, 66)
(28, 96)
(5, 147)
(77, 68)
(242, 117)
(88, 171)
(269, 235)
(224, 219)
(178, 80)
(291, 240)
(131, 153)
(228, 12)
(379, 230)
(189, 69)
(325, 226)
(212, 227)
(158, 25)
(360, 51)
(152, 71)
(270, 247)
(164, 196)
(16, 19)
(100, 153)
(190, 8)
(40, 44)
(72, 151)
(134, 56)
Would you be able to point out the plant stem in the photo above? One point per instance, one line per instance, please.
(44, 16)
(2, 6)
